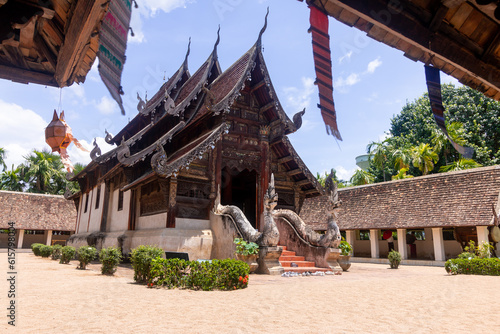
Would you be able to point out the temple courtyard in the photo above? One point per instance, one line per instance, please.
(370, 298)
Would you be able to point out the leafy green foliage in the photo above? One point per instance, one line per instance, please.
(110, 259)
(245, 248)
(36, 248)
(474, 266)
(67, 254)
(142, 257)
(345, 248)
(206, 275)
(361, 177)
(45, 251)
(56, 252)
(85, 255)
(394, 259)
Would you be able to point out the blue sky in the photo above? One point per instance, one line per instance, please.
(372, 81)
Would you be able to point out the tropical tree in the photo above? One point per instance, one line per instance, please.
(3, 155)
(424, 158)
(402, 174)
(43, 172)
(11, 180)
(461, 164)
(361, 177)
(380, 155)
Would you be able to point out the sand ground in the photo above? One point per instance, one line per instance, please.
(370, 298)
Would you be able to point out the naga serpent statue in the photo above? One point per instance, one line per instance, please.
(270, 235)
(332, 236)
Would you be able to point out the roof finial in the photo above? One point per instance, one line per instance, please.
(217, 41)
(259, 40)
(188, 51)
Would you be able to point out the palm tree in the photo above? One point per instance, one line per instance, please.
(11, 180)
(361, 177)
(442, 144)
(43, 172)
(461, 164)
(402, 158)
(424, 158)
(379, 153)
(402, 174)
(3, 155)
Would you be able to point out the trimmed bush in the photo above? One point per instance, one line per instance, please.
(56, 252)
(474, 266)
(67, 254)
(85, 255)
(110, 258)
(394, 259)
(36, 248)
(45, 251)
(226, 274)
(141, 258)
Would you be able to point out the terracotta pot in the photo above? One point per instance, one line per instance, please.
(251, 260)
(344, 262)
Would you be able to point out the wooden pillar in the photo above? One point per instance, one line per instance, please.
(437, 240)
(20, 238)
(48, 237)
(265, 173)
(172, 202)
(105, 205)
(374, 244)
(402, 249)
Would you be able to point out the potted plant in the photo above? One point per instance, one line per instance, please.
(247, 252)
(394, 259)
(344, 258)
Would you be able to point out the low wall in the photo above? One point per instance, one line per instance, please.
(224, 232)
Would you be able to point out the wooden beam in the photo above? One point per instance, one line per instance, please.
(397, 19)
(294, 172)
(257, 86)
(438, 18)
(85, 18)
(311, 191)
(285, 159)
(303, 183)
(45, 51)
(25, 76)
(271, 104)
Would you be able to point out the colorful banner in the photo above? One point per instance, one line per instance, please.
(112, 46)
(323, 68)
(432, 76)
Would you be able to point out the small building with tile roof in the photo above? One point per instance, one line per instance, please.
(208, 135)
(47, 219)
(445, 211)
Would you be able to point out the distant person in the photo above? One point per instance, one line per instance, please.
(390, 243)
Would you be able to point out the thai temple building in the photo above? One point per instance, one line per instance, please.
(213, 137)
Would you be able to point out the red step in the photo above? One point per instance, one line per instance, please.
(298, 263)
(288, 257)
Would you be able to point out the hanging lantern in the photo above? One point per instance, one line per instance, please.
(58, 136)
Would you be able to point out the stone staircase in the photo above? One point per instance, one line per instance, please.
(288, 257)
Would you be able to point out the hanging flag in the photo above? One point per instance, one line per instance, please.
(323, 68)
(432, 76)
(112, 45)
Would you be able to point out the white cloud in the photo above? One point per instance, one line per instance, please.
(352, 79)
(346, 56)
(372, 66)
(344, 174)
(107, 105)
(21, 134)
(299, 98)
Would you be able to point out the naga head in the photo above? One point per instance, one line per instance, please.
(333, 197)
(271, 197)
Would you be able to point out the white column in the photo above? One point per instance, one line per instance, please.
(482, 234)
(48, 237)
(437, 240)
(350, 237)
(374, 244)
(402, 249)
(20, 238)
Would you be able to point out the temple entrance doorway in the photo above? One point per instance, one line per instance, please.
(240, 189)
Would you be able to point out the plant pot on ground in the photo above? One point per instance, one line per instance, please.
(345, 255)
(247, 252)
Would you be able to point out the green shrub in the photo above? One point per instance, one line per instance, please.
(394, 259)
(110, 258)
(67, 254)
(345, 248)
(36, 248)
(226, 274)
(245, 248)
(56, 252)
(45, 251)
(474, 266)
(85, 255)
(141, 258)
